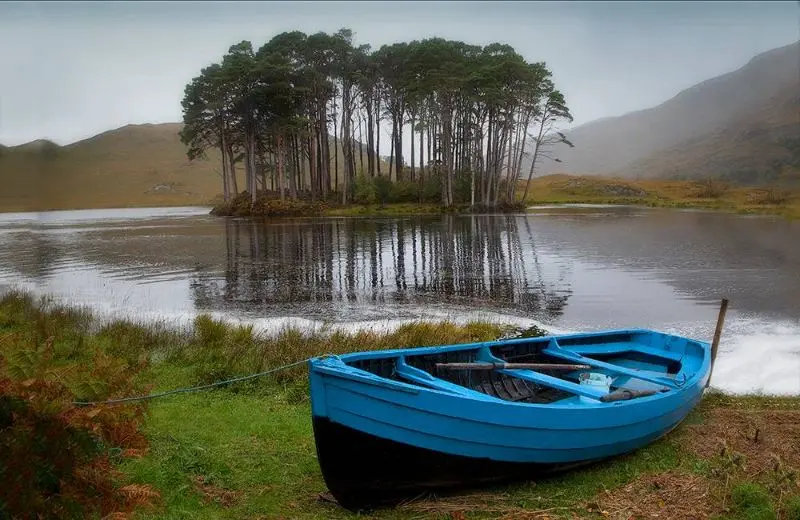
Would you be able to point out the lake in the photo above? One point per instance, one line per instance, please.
(563, 268)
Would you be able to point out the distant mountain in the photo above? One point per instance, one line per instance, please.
(135, 165)
(760, 146)
(751, 115)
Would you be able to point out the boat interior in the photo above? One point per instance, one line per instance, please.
(637, 363)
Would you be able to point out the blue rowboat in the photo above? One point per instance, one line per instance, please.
(394, 424)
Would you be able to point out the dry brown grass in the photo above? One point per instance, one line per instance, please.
(717, 195)
(495, 504)
(137, 165)
(762, 437)
(215, 494)
(672, 495)
(132, 166)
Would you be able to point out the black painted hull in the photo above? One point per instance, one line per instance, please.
(365, 472)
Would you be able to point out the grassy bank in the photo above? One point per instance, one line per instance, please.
(550, 189)
(247, 451)
(560, 189)
(714, 195)
(272, 207)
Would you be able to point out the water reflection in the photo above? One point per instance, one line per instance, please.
(487, 263)
(616, 267)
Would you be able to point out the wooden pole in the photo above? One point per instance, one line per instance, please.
(723, 308)
(509, 366)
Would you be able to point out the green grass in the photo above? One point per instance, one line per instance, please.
(263, 448)
(792, 508)
(394, 209)
(247, 450)
(751, 501)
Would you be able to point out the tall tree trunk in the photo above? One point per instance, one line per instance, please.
(346, 148)
(263, 170)
(323, 151)
(312, 163)
(412, 147)
(353, 157)
(370, 136)
(320, 154)
(336, 156)
(378, 133)
(360, 145)
(296, 165)
(273, 177)
(487, 175)
(421, 163)
(391, 150)
(398, 146)
(232, 171)
(535, 155)
(347, 140)
(456, 148)
(472, 164)
(226, 194)
(353, 142)
(335, 149)
(447, 121)
(431, 158)
(250, 153)
(281, 173)
(524, 123)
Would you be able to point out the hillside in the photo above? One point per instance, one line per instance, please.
(702, 123)
(762, 146)
(136, 165)
(132, 165)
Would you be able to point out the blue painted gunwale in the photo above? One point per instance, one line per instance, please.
(460, 421)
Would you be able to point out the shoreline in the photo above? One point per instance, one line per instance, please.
(411, 209)
(554, 189)
(248, 449)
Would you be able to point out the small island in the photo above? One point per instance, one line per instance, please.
(302, 116)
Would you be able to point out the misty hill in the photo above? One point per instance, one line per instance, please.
(760, 146)
(753, 106)
(135, 165)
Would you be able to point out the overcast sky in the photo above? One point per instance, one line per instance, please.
(72, 70)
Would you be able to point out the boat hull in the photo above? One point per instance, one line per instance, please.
(384, 435)
(363, 471)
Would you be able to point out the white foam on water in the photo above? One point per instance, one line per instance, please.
(759, 357)
(149, 307)
(756, 356)
(270, 326)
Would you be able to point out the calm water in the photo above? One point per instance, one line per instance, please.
(567, 269)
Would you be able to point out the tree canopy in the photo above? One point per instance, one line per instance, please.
(474, 113)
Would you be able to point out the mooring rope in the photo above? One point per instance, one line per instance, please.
(189, 389)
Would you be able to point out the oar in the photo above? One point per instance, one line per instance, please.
(509, 366)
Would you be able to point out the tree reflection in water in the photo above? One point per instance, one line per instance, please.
(322, 267)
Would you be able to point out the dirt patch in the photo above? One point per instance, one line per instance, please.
(669, 495)
(457, 507)
(763, 437)
(215, 494)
